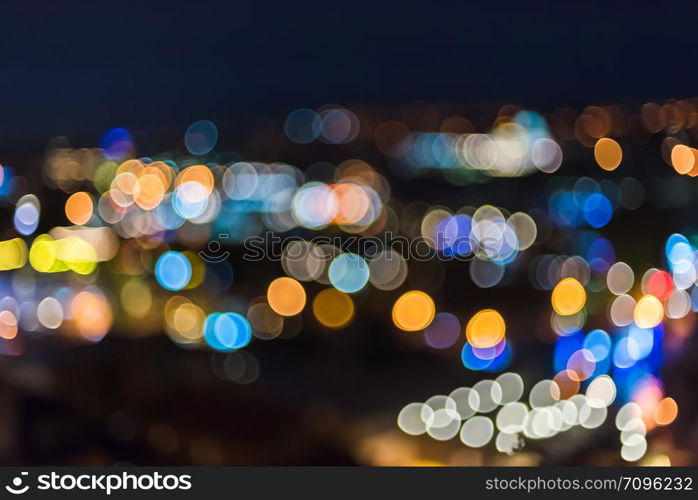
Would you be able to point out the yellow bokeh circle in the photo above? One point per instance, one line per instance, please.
(608, 153)
(568, 297)
(286, 296)
(485, 329)
(333, 308)
(413, 311)
(649, 312)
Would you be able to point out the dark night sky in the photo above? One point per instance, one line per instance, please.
(154, 66)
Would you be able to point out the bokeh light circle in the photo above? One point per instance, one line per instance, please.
(348, 273)
(79, 208)
(332, 308)
(173, 270)
(485, 329)
(568, 297)
(201, 137)
(286, 296)
(443, 332)
(413, 311)
(649, 312)
(227, 331)
(608, 153)
(477, 431)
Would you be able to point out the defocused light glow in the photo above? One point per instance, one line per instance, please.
(466, 400)
(648, 393)
(485, 329)
(683, 158)
(597, 210)
(71, 253)
(8, 325)
(627, 414)
(546, 155)
(348, 273)
(333, 308)
(666, 411)
(43, 254)
(190, 200)
(339, 126)
(201, 137)
(511, 417)
(512, 387)
(659, 284)
(196, 174)
(303, 126)
(184, 320)
(387, 270)
(13, 254)
(581, 365)
(227, 331)
(79, 208)
(649, 312)
(598, 343)
(473, 362)
(286, 296)
(413, 311)
(620, 278)
(622, 310)
(591, 417)
(136, 298)
(303, 260)
(116, 143)
(266, 323)
(149, 191)
(315, 205)
(27, 212)
(568, 297)
(608, 153)
(92, 315)
(477, 432)
(544, 393)
(656, 460)
(443, 332)
(567, 382)
(50, 313)
(410, 420)
(626, 353)
(185, 214)
(490, 353)
(678, 305)
(568, 325)
(601, 392)
(632, 453)
(173, 270)
(525, 228)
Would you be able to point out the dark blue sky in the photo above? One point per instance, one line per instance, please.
(156, 66)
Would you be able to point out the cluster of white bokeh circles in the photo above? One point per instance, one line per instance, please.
(632, 432)
(461, 412)
(443, 417)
